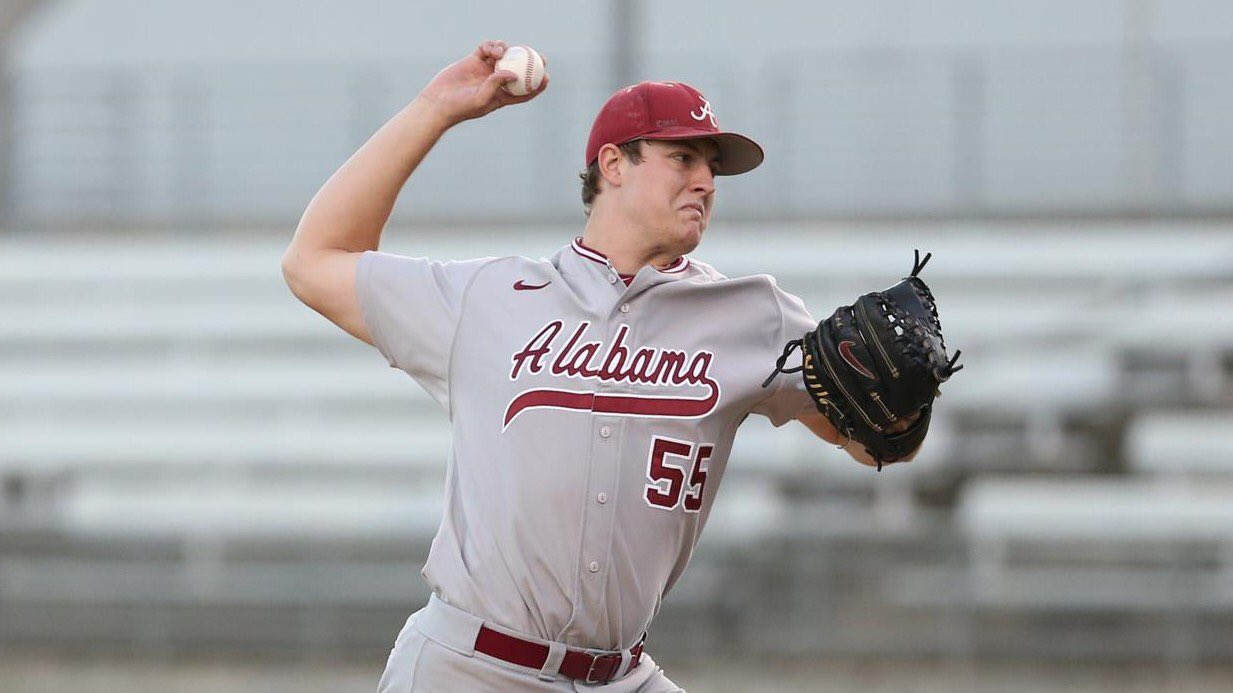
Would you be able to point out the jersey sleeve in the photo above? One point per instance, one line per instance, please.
(411, 308)
(788, 398)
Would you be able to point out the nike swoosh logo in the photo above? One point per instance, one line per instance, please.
(845, 350)
(520, 286)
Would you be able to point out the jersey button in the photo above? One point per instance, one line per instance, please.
(612, 279)
(605, 432)
(602, 498)
(624, 307)
(594, 567)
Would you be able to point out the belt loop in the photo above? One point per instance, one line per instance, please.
(552, 665)
(626, 656)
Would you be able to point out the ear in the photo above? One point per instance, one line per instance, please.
(609, 161)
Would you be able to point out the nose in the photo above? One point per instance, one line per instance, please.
(704, 180)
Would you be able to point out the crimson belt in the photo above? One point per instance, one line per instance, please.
(577, 664)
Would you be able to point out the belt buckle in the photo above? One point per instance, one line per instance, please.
(611, 662)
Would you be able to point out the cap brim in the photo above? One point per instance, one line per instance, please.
(737, 153)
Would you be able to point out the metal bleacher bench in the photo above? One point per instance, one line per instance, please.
(110, 447)
(1124, 542)
(1071, 547)
(1199, 349)
(1198, 444)
(243, 509)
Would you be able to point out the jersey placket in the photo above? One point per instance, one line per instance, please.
(599, 508)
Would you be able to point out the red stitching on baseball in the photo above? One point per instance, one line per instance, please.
(526, 77)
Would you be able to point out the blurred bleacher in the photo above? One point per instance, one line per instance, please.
(192, 460)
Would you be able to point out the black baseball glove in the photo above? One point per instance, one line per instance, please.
(875, 363)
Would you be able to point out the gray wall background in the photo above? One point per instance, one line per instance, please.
(229, 113)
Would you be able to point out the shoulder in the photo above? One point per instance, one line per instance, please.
(496, 275)
(517, 267)
(763, 293)
(703, 272)
(765, 284)
(758, 294)
(381, 272)
(475, 265)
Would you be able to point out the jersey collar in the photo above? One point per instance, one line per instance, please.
(673, 271)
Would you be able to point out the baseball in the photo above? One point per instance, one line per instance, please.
(527, 64)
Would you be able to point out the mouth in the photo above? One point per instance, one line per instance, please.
(696, 207)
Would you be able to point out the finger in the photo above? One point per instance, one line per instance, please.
(542, 86)
(490, 51)
(491, 88)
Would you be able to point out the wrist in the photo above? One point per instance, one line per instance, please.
(432, 113)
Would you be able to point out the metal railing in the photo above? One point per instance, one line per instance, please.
(1004, 131)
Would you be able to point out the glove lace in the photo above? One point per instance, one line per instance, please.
(782, 360)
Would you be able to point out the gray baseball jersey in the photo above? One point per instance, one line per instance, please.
(592, 422)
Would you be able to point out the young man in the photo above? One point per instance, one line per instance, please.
(592, 405)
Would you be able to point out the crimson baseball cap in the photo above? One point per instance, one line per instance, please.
(669, 111)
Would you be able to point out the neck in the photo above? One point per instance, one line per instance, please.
(623, 244)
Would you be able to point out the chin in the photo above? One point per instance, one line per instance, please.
(692, 238)
(679, 239)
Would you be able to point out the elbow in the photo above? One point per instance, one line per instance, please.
(292, 268)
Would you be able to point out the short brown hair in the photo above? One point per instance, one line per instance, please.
(590, 177)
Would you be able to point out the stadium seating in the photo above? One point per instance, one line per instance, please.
(1182, 444)
(170, 413)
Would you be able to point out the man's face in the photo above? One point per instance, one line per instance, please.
(670, 195)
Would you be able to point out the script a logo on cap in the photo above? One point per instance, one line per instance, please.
(704, 112)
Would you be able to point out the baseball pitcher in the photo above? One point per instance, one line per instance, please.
(594, 396)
